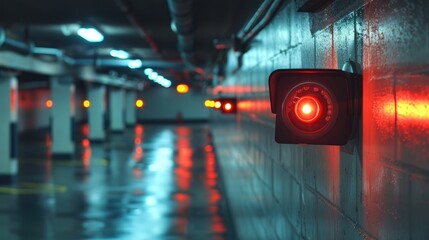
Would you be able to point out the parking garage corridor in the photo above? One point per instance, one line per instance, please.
(149, 182)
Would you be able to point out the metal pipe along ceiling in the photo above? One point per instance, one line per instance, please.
(181, 14)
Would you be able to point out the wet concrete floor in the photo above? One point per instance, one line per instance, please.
(150, 182)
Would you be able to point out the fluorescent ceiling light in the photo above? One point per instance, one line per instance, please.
(90, 34)
(153, 76)
(119, 54)
(148, 71)
(167, 84)
(137, 63)
(159, 79)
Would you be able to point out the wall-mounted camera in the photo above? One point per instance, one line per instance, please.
(315, 106)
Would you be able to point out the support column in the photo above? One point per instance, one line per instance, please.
(62, 93)
(96, 95)
(130, 108)
(116, 107)
(8, 127)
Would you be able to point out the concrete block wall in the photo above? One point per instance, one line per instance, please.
(375, 187)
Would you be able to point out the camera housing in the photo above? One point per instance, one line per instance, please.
(315, 106)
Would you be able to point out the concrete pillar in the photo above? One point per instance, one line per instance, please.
(116, 109)
(96, 95)
(130, 108)
(8, 127)
(62, 115)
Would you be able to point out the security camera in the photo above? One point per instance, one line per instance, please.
(315, 106)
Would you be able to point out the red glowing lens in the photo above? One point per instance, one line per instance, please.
(307, 109)
(228, 106)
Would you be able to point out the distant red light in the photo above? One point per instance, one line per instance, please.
(49, 103)
(208, 148)
(228, 106)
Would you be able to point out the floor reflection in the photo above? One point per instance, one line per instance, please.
(151, 182)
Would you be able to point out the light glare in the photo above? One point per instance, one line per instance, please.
(90, 34)
(148, 71)
(119, 54)
(228, 106)
(182, 88)
(139, 103)
(86, 104)
(306, 109)
(136, 63)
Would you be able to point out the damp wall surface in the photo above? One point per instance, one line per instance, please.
(375, 187)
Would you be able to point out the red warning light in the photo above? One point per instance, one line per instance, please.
(228, 106)
(49, 103)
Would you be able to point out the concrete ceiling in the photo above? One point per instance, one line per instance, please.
(44, 23)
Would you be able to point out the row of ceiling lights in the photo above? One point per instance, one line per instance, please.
(91, 34)
(156, 77)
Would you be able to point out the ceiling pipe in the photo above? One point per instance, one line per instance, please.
(259, 21)
(262, 10)
(182, 22)
(14, 45)
(26, 48)
(270, 13)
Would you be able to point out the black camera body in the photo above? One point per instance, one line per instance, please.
(315, 106)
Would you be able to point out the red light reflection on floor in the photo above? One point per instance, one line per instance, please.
(183, 172)
(86, 159)
(138, 154)
(86, 155)
(85, 130)
(138, 139)
(48, 144)
(137, 172)
(85, 143)
(208, 148)
(184, 159)
(217, 224)
(181, 225)
(183, 178)
(214, 196)
(183, 131)
(48, 161)
(139, 129)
